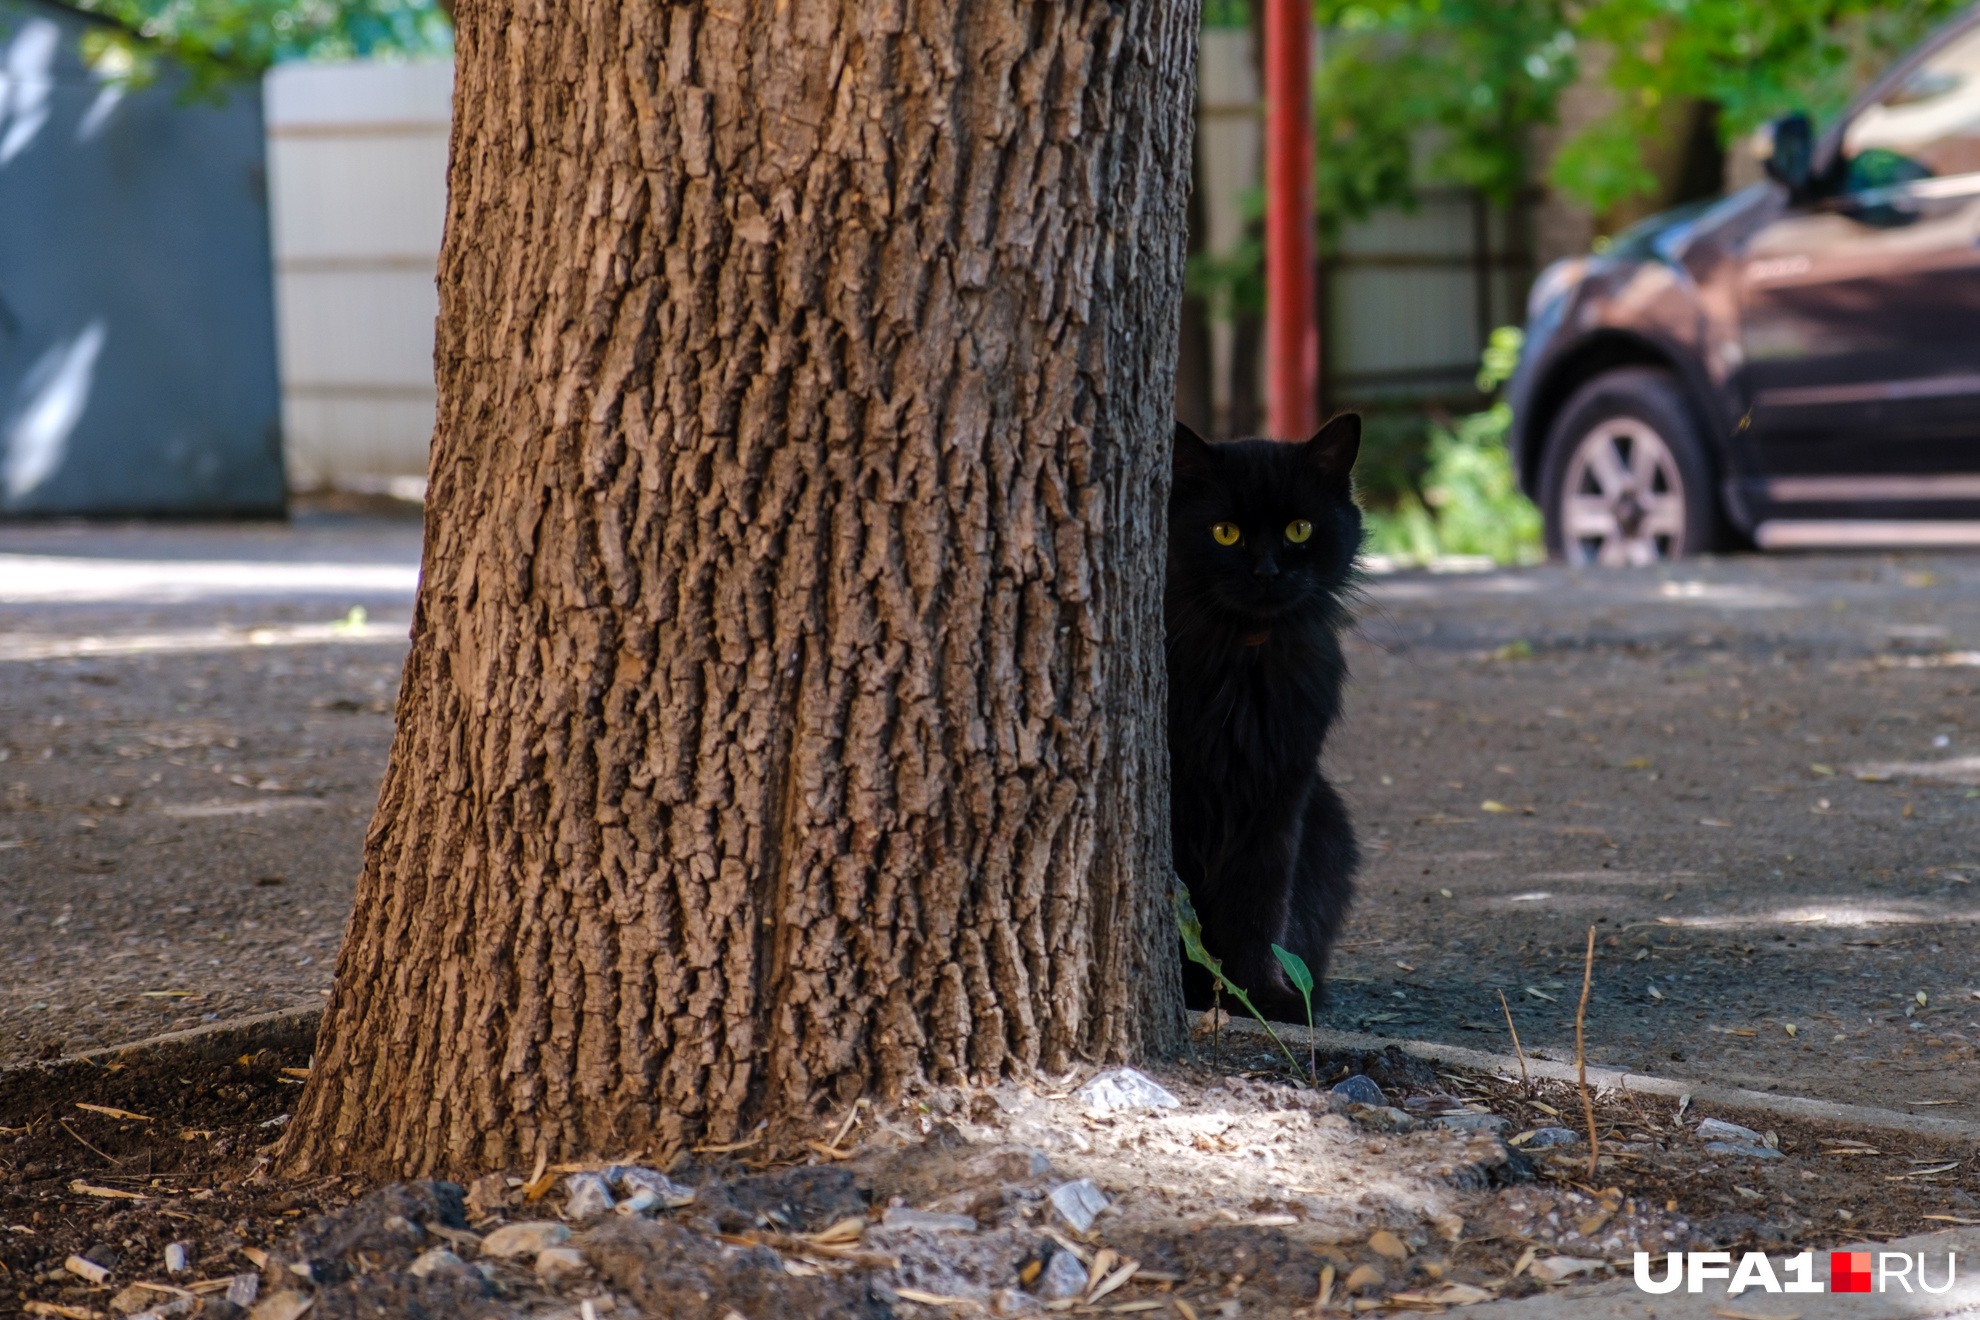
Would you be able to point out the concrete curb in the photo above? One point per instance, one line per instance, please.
(1609, 1079)
(215, 1042)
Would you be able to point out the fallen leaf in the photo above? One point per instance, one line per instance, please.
(1496, 808)
(929, 1298)
(1716, 823)
(107, 1193)
(1790, 1029)
(1655, 993)
(1405, 966)
(1541, 994)
(56, 1308)
(113, 1113)
(1637, 763)
(1526, 1258)
(1826, 771)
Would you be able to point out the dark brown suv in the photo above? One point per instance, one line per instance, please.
(1795, 365)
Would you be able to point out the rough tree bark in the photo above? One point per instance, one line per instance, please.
(783, 716)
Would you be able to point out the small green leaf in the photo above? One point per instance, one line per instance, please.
(1296, 970)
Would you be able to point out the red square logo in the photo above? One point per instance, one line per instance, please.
(1849, 1271)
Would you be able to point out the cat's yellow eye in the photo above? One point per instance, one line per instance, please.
(1225, 533)
(1298, 530)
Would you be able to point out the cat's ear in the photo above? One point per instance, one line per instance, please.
(1330, 454)
(1193, 459)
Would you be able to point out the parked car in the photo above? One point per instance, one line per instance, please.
(1797, 364)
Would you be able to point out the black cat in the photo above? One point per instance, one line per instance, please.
(1262, 541)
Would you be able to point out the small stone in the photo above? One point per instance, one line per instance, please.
(1714, 1129)
(1124, 1088)
(1742, 1149)
(554, 1264)
(1545, 1137)
(242, 1289)
(1471, 1122)
(132, 1300)
(1078, 1203)
(1552, 1269)
(525, 1239)
(586, 1196)
(1383, 1118)
(928, 1221)
(1362, 1279)
(431, 1259)
(1384, 1243)
(1360, 1090)
(176, 1258)
(283, 1306)
(1062, 1277)
(1450, 1227)
(666, 1192)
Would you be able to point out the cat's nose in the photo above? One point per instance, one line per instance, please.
(1264, 567)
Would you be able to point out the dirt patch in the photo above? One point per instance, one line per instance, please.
(1251, 1190)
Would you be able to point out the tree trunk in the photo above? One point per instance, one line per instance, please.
(783, 720)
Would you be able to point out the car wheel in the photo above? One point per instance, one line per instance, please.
(1626, 480)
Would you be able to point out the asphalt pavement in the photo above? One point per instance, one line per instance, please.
(1755, 777)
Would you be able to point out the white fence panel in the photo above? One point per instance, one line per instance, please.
(357, 159)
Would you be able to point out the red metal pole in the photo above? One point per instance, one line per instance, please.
(1292, 335)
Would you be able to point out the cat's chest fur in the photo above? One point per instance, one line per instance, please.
(1251, 713)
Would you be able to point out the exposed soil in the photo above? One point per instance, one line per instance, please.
(1249, 1191)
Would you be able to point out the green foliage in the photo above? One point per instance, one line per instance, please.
(1191, 928)
(1446, 91)
(1469, 501)
(1226, 13)
(1421, 91)
(219, 41)
(1302, 978)
(1756, 59)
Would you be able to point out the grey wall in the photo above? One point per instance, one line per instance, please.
(137, 328)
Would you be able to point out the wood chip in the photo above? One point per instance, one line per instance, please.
(1114, 1280)
(1950, 1219)
(82, 1188)
(296, 1072)
(932, 1299)
(113, 1113)
(1922, 1173)
(1103, 1260)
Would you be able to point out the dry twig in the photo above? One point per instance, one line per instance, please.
(1580, 1058)
(1524, 1084)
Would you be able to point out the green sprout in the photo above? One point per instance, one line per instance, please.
(1302, 978)
(1192, 938)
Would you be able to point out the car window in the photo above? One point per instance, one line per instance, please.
(1927, 127)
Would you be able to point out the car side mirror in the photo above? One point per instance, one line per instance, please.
(1787, 150)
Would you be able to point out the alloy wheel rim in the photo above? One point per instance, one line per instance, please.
(1622, 503)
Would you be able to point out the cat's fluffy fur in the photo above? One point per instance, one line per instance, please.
(1262, 840)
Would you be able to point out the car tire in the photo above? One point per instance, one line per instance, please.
(1625, 479)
